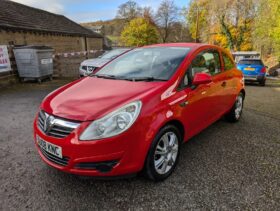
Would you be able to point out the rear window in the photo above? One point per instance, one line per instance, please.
(251, 62)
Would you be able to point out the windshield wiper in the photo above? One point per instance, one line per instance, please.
(145, 79)
(104, 76)
(128, 79)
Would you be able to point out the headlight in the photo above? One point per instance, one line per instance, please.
(113, 123)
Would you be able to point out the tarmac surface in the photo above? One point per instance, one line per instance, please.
(226, 167)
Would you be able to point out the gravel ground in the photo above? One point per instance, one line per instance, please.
(226, 167)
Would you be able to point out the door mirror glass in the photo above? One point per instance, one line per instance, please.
(201, 78)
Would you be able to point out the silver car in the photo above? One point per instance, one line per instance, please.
(89, 65)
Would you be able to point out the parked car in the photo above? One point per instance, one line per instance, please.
(90, 65)
(239, 55)
(253, 69)
(140, 108)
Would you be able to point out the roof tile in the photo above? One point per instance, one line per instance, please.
(18, 16)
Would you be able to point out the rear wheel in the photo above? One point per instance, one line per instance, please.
(262, 83)
(235, 113)
(163, 155)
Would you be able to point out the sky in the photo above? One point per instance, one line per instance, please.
(89, 10)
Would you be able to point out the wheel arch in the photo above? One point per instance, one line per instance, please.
(178, 124)
(243, 92)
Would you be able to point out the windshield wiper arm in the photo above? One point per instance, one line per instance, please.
(128, 79)
(145, 79)
(104, 76)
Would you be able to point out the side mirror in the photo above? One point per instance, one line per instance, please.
(201, 78)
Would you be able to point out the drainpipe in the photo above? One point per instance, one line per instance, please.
(86, 47)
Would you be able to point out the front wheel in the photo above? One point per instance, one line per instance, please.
(163, 155)
(235, 113)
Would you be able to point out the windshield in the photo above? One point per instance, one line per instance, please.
(113, 53)
(251, 62)
(158, 63)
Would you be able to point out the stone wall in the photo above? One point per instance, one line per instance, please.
(67, 65)
(60, 43)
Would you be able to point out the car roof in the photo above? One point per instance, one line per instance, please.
(250, 59)
(187, 45)
(191, 45)
(121, 49)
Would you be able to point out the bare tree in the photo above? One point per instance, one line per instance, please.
(166, 15)
(129, 10)
(148, 14)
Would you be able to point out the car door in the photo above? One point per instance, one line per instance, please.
(231, 81)
(215, 92)
(201, 103)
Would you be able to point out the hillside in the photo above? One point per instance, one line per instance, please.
(111, 28)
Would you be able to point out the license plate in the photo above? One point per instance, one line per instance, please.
(50, 148)
(249, 69)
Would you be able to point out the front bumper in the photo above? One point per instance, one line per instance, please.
(120, 155)
(82, 72)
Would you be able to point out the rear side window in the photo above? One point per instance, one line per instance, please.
(228, 62)
(206, 62)
(250, 62)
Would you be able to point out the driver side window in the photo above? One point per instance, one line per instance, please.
(206, 62)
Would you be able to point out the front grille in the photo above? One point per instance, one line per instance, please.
(60, 161)
(55, 127)
(91, 69)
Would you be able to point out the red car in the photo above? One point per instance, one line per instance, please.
(134, 113)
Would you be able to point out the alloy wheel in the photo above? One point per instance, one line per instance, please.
(166, 153)
(239, 106)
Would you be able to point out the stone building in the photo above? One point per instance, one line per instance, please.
(24, 25)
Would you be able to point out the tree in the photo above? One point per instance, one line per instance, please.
(139, 32)
(148, 14)
(235, 19)
(129, 10)
(267, 28)
(167, 14)
(224, 22)
(198, 15)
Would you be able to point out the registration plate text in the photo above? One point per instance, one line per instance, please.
(50, 148)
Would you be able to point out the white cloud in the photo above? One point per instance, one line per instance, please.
(54, 6)
(83, 17)
(75, 9)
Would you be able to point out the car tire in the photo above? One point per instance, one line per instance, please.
(236, 111)
(262, 83)
(163, 154)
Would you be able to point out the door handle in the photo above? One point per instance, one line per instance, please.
(224, 84)
(184, 104)
(230, 76)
